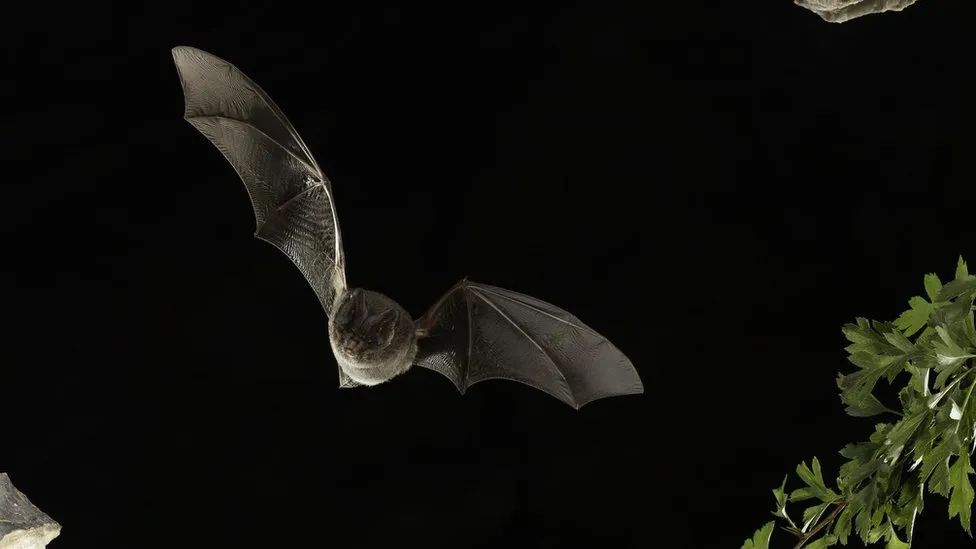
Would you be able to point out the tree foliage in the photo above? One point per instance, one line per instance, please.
(923, 447)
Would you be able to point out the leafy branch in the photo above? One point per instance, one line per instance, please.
(925, 448)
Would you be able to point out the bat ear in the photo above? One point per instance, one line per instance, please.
(360, 307)
(385, 325)
(353, 312)
(359, 297)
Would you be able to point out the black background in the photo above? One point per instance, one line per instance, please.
(716, 188)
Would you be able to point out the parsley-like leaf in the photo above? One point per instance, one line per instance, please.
(915, 318)
(760, 540)
(895, 543)
(816, 487)
(961, 500)
(779, 494)
(881, 485)
(812, 515)
(902, 431)
(957, 287)
(933, 286)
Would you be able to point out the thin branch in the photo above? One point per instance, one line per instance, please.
(821, 525)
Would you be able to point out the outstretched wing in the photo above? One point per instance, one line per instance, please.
(477, 332)
(292, 198)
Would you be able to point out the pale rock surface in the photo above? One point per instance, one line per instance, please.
(22, 525)
(839, 11)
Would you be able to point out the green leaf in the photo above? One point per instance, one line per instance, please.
(932, 286)
(956, 412)
(939, 481)
(865, 336)
(969, 329)
(862, 464)
(780, 495)
(816, 487)
(842, 528)
(864, 504)
(936, 399)
(899, 340)
(895, 543)
(943, 377)
(920, 379)
(948, 352)
(812, 515)
(957, 287)
(967, 424)
(935, 462)
(760, 540)
(949, 356)
(909, 505)
(961, 500)
(869, 406)
(856, 388)
(915, 318)
(902, 431)
(883, 481)
(952, 312)
(939, 455)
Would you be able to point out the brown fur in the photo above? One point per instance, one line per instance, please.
(372, 337)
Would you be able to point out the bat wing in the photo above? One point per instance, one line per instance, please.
(477, 332)
(292, 199)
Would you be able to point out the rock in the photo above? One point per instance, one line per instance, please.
(838, 11)
(22, 525)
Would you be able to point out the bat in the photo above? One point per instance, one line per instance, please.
(474, 332)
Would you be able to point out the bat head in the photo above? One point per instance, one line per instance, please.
(372, 336)
(363, 329)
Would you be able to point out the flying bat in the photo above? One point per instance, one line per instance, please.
(474, 332)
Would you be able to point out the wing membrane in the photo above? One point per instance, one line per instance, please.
(477, 332)
(292, 199)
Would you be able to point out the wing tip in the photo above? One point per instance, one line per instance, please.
(181, 55)
(181, 51)
(636, 388)
(186, 56)
(188, 60)
(637, 391)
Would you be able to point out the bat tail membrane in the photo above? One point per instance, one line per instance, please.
(477, 332)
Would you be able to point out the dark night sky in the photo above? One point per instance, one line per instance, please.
(717, 189)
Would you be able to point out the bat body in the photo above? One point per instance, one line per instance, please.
(372, 336)
(474, 332)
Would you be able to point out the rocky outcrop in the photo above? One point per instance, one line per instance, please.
(22, 525)
(839, 11)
